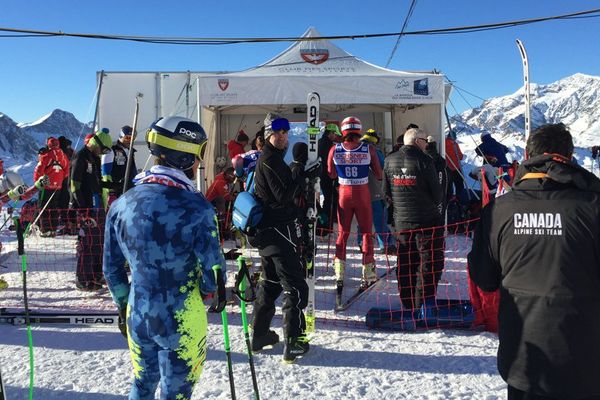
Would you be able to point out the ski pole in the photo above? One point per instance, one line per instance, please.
(21, 252)
(221, 286)
(240, 292)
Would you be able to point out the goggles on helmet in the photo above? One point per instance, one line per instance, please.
(103, 148)
(279, 124)
(155, 137)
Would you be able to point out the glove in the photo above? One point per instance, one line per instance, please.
(122, 323)
(16, 192)
(220, 296)
(42, 182)
(313, 170)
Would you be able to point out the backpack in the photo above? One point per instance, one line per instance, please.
(247, 209)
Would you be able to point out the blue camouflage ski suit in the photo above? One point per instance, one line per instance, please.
(169, 238)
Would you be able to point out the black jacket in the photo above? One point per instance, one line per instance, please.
(119, 168)
(441, 170)
(540, 244)
(275, 187)
(411, 181)
(85, 178)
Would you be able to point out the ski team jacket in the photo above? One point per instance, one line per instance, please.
(219, 188)
(275, 187)
(411, 181)
(114, 166)
(540, 244)
(55, 164)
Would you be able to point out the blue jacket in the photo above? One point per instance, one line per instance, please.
(169, 238)
(490, 147)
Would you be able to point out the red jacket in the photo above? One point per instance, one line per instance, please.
(55, 164)
(219, 188)
(235, 148)
(453, 154)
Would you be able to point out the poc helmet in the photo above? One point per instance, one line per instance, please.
(351, 125)
(177, 141)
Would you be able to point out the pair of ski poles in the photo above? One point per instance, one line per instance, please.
(242, 282)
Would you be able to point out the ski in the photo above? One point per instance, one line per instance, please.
(18, 318)
(344, 305)
(525, 61)
(313, 102)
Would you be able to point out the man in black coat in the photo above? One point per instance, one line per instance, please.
(411, 183)
(279, 239)
(540, 244)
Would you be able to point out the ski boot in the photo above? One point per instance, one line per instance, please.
(266, 341)
(369, 276)
(295, 347)
(429, 313)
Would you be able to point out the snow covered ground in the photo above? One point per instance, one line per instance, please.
(346, 360)
(93, 363)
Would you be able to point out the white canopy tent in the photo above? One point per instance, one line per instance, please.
(384, 99)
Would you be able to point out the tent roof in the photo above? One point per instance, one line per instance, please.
(317, 57)
(319, 65)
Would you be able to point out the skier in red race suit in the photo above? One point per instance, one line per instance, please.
(350, 161)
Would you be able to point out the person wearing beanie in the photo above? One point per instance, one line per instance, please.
(279, 242)
(86, 199)
(238, 145)
(54, 164)
(492, 151)
(328, 213)
(114, 165)
(385, 239)
(350, 162)
(67, 218)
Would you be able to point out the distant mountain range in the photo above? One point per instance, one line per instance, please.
(574, 100)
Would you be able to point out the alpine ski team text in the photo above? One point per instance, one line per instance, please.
(537, 224)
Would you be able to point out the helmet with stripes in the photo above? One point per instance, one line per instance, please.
(351, 125)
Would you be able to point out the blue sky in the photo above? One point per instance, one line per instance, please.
(40, 74)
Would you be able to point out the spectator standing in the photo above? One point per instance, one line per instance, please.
(86, 199)
(114, 166)
(413, 186)
(53, 163)
(279, 240)
(453, 157)
(328, 212)
(539, 244)
(385, 239)
(238, 145)
(492, 151)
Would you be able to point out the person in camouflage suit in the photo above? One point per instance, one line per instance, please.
(166, 232)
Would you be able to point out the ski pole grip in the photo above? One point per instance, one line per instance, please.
(20, 239)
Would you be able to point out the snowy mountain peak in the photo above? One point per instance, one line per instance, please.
(573, 101)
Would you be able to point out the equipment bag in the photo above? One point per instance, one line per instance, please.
(247, 210)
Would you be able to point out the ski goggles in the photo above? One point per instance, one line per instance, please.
(153, 136)
(280, 124)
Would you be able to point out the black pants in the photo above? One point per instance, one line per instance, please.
(49, 219)
(281, 271)
(455, 180)
(418, 268)
(516, 394)
(90, 245)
